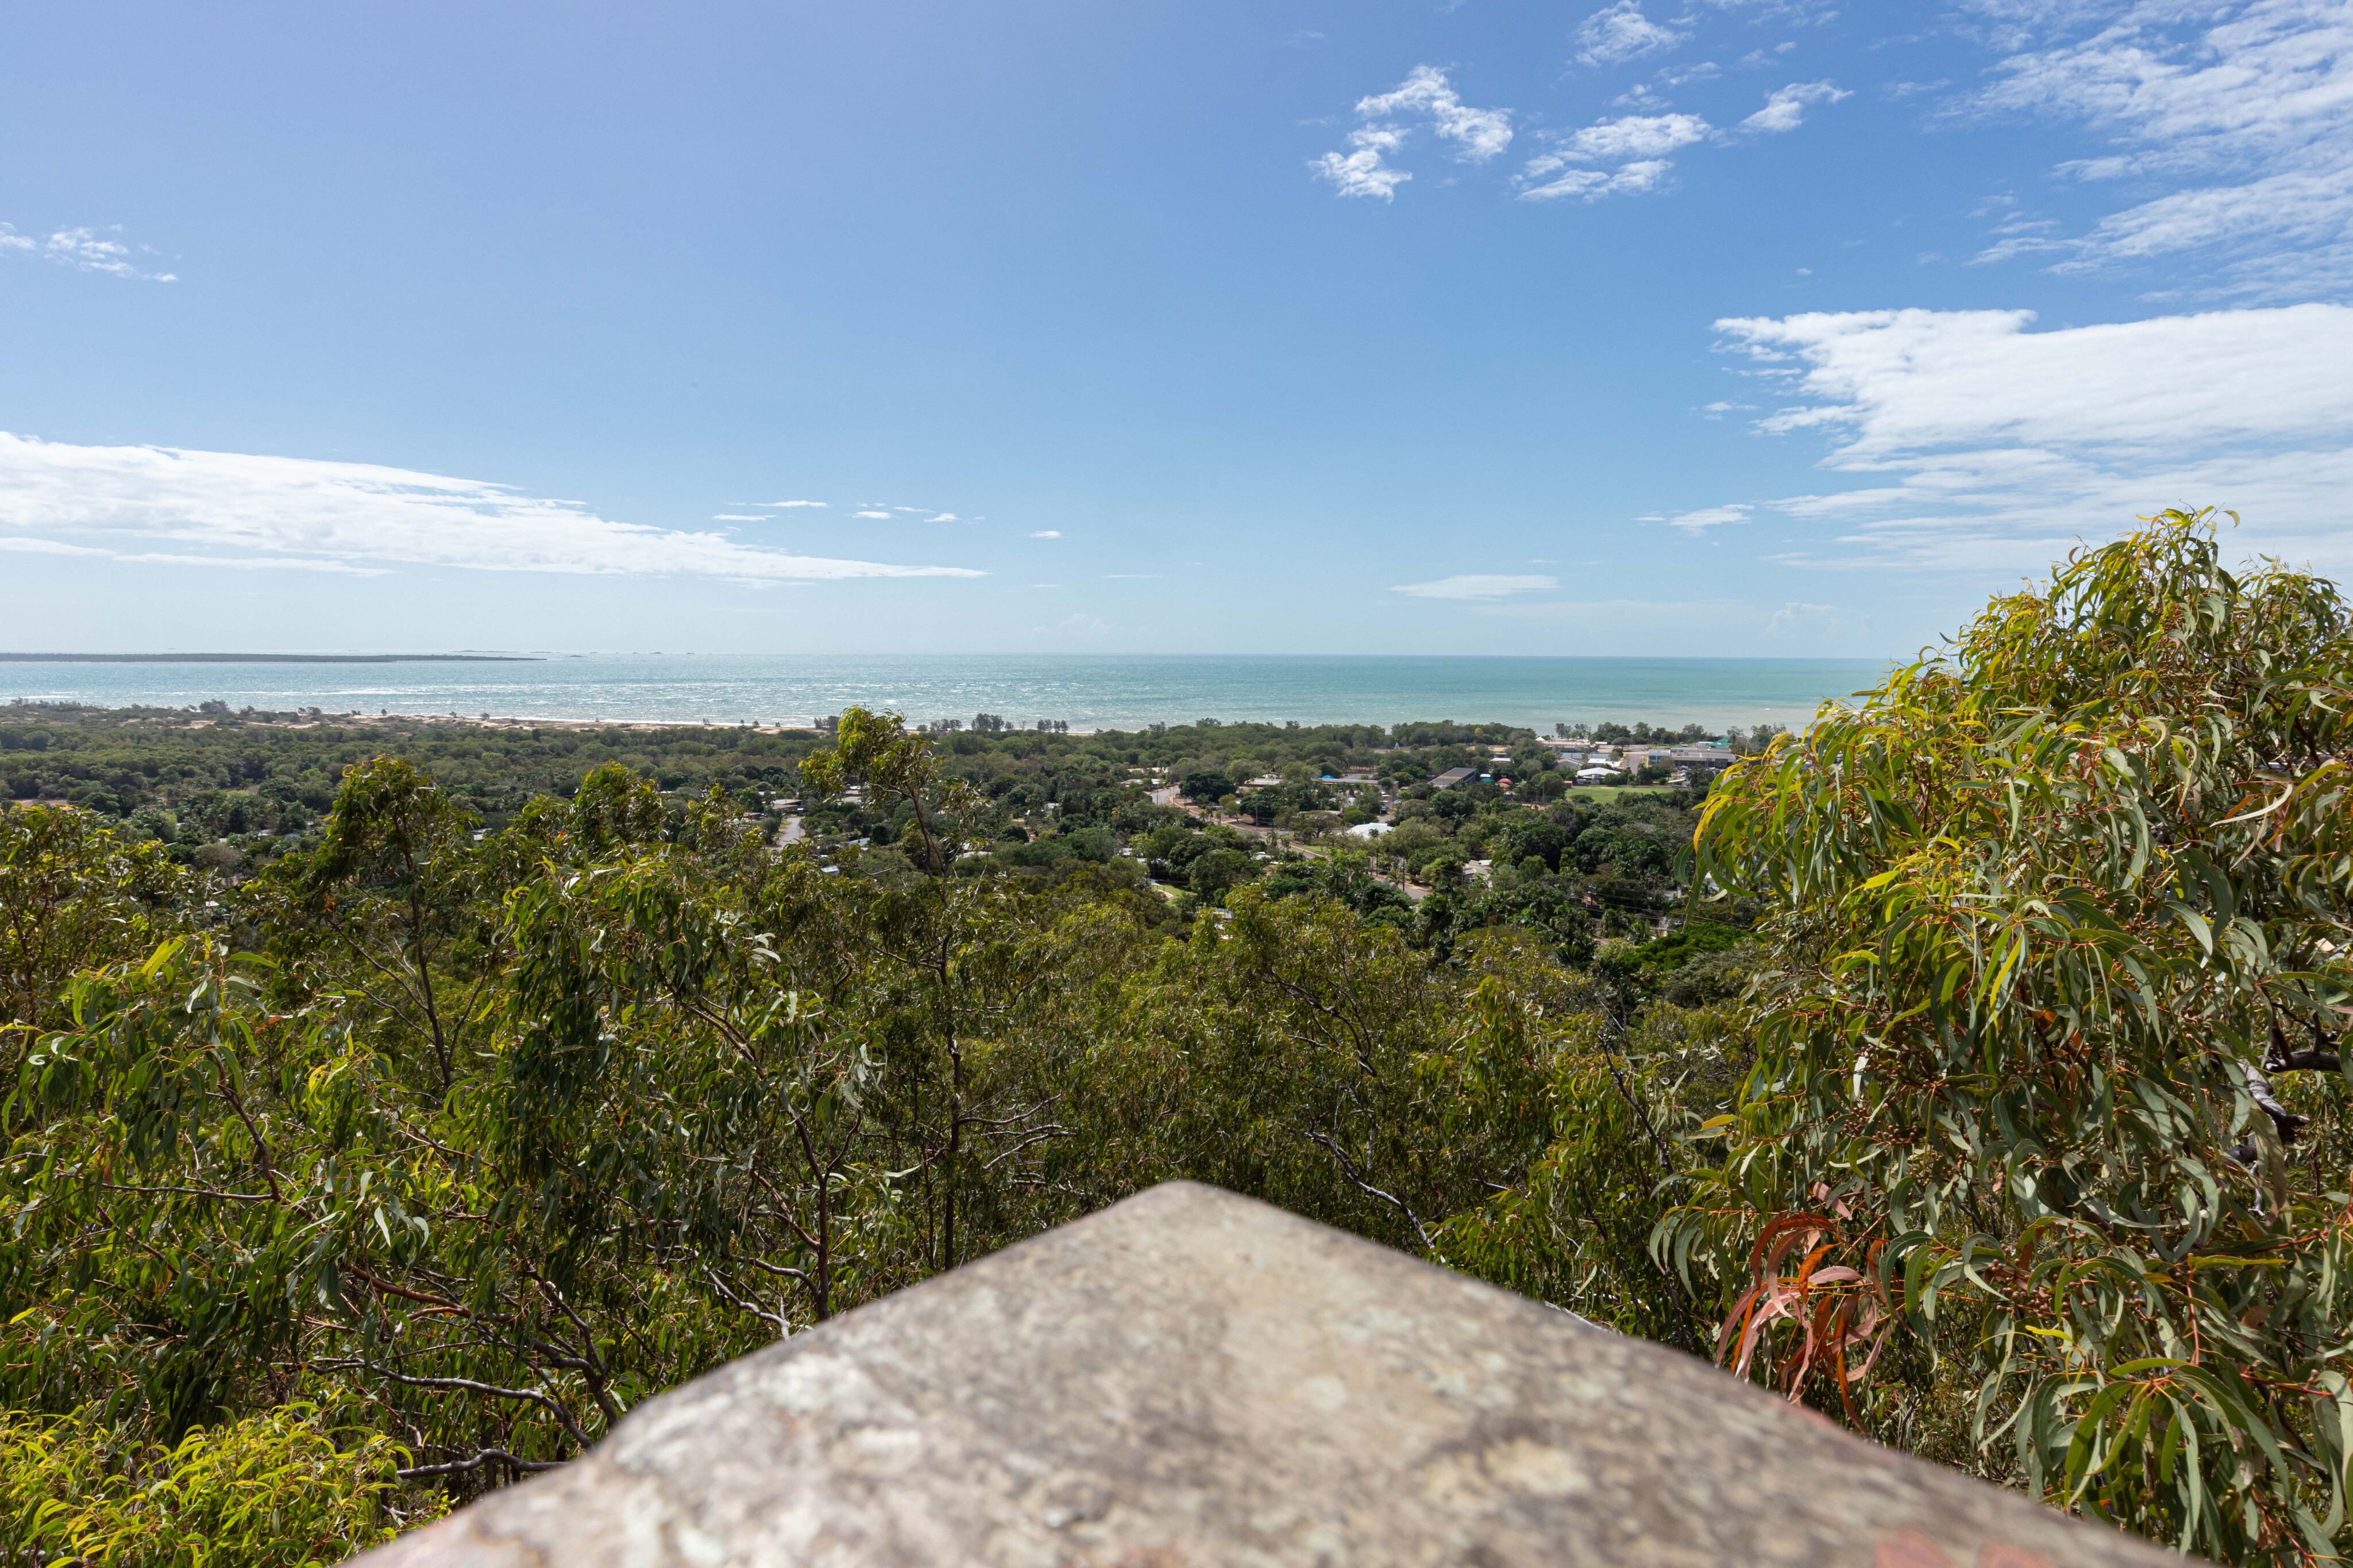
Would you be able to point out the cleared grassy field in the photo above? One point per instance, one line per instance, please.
(1611, 791)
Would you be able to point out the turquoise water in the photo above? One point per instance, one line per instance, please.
(1087, 691)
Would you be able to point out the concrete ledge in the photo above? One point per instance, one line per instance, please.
(1191, 1378)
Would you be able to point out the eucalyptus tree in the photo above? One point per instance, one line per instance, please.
(958, 966)
(75, 893)
(2047, 1083)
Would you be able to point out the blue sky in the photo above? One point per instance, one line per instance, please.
(1725, 327)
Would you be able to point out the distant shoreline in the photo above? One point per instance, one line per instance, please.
(1121, 693)
(271, 658)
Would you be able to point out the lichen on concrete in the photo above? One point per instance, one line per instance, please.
(1192, 1378)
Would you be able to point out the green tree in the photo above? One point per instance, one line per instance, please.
(273, 1492)
(1206, 785)
(390, 886)
(2054, 918)
(74, 894)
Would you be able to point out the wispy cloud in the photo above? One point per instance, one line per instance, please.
(1620, 33)
(84, 250)
(1641, 138)
(1363, 170)
(1637, 144)
(739, 517)
(1478, 585)
(298, 513)
(1047, 533)
(1425, 95)
(1698, 522)
(1993, 446)
(1592, 184)
(1802, 13)
(1478, 134)
(1797, 621)
(1785, 107)
(1676, 76)
(2241, 113)
(789, 503)
(878, 516)
(149, 557)
(1634, 136)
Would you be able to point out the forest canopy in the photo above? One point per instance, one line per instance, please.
(391, 1109)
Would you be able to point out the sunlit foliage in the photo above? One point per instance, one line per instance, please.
(2047, 1082)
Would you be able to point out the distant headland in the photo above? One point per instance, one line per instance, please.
(268, 658)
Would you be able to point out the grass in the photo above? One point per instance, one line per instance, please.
(1611, 791)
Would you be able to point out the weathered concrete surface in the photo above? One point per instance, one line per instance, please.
(1192, 1379)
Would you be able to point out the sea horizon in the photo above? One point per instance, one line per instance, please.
(1085, 691)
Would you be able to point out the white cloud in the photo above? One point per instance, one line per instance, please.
(789, 503)
(84, 250)
(1785, 107)
(1622, 33)
(1638, 144)
(1047, 533)
(1798, 620)
(2243, 111)
(1592, 184)
(1477, 586)
(1996, 445)
(1364, 170)
(286, 563)
(738, 517)
(1480, 134)
(1676, 76)
(1633, 136)
(1646, 139)
(301, 514)
(1800, 13)
(1696, 523)
(1902, 381)
(879, 516)
(948, 516)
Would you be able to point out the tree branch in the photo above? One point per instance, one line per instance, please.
(465, 1386)
(465, 1466)
(1349, 1168)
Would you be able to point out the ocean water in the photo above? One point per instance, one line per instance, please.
(1087, 691)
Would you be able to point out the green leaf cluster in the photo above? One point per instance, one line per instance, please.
(275, 1491)
(2046, 1119)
